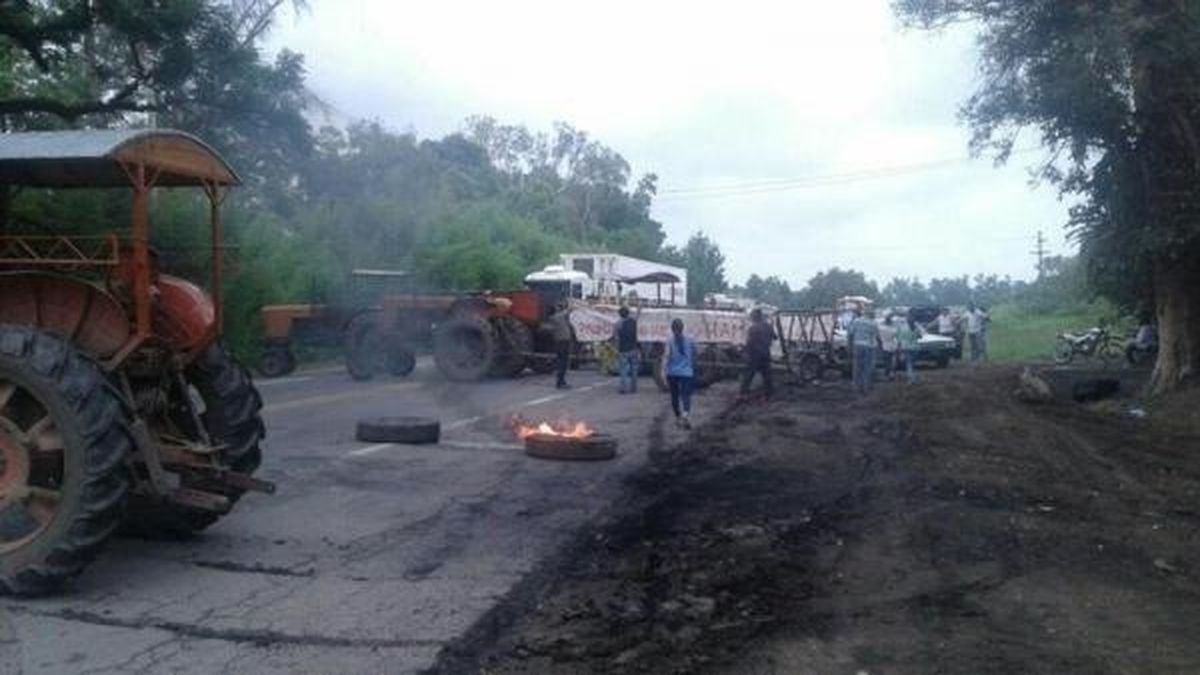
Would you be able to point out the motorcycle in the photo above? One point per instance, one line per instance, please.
(1092, 343)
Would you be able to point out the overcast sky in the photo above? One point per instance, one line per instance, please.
(743, 109)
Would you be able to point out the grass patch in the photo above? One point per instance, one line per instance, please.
(1017, 334)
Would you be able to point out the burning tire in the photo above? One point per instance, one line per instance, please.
(64, 440)
(464, 348)
(554, 446)
(232, 421)
(414, 430)
(514, 342)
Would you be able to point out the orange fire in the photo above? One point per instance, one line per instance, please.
(523, 428)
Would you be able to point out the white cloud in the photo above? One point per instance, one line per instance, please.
(712, 94)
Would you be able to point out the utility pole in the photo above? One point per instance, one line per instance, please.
(1040, 252)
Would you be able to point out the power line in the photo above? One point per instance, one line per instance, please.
(814, 181)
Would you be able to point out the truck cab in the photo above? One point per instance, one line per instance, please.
(555, 283)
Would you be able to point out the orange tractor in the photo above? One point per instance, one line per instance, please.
(118, 406)
(471, 335)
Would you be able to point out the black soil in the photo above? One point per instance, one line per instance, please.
(936, 528)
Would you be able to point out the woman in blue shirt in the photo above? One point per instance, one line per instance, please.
(681, 371)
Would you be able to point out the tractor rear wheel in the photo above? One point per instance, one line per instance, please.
(514, 342)
(64, 439)
(232, 418)
(464, 348)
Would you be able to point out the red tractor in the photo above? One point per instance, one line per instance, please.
(118, 406)
(472, 335)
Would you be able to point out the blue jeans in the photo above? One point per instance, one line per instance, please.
(910, 358)
(681, 394)
(627, 368)
(864, 367)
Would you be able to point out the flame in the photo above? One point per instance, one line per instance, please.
(566, 428)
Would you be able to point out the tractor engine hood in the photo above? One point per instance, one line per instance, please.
(184, 315)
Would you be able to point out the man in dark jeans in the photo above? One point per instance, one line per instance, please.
(758, 352)
(625, 336)
(560, 327)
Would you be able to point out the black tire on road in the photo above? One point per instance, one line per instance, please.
(43, 373)
(464, 348)
(233, 420)
(591, 448)
(514, 341)
(398, 430)
(277, 362)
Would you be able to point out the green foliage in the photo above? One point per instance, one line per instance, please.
(772, 290)
(705, 265)
(1018, 333)
(824, 289)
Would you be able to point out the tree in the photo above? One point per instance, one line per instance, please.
(705, 266)
(904, 291)
(824, 289)
(771, 290)
(1112, 89)
(191, 64)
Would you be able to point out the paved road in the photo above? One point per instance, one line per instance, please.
(369, 558)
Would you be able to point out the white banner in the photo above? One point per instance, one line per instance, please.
(594, 323)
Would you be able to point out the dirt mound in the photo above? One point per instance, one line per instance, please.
(941, 527)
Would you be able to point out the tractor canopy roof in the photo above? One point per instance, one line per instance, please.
(98, 158)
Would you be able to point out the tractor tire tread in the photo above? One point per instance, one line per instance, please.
(107, 443)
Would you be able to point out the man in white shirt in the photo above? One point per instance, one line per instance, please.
(889, 346)
(977, 331)
(945, 323)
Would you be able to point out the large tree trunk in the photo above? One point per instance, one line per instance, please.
(1177, 296)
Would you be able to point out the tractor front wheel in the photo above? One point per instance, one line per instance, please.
(231, 415)
(64, 439)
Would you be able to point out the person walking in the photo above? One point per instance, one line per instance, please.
(863, 339)
(564, 334)
(977, 332)
(907, 336)
(625, 338)
(681, 372)
(889, 346)
(759, 337)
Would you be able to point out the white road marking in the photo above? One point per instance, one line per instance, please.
(458, 424)
(369, 450)
(482, 445)
(544, 399)
(281, 380)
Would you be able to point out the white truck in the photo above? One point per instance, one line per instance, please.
(614, 277)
